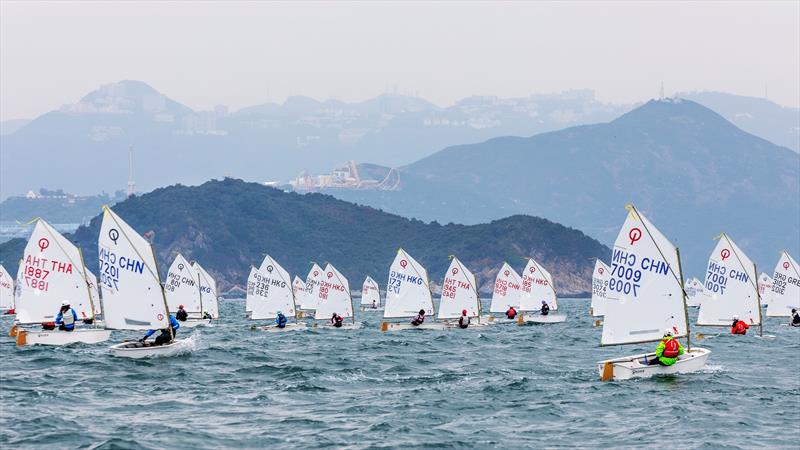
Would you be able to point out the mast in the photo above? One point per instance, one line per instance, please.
(758, 295)
(685, 306)
(86, 282)
(199, 289)
(163, 294)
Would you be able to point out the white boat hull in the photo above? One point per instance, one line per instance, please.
(193, 323)
(629, 367)
(58, 337)
(345, 326)
(394, 326)
(538, 318)
(368, 309)
(135, 350)
(473, 324)
(289, 327)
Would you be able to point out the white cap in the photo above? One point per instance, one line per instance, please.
(668, 332)
(735, 317)
(65, 303)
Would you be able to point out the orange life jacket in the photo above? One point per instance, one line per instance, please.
(671, 348)
(740, 327)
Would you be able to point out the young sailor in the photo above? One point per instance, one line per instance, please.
(164, 337)
(668, 350)
(511, 313)
(795, 318)
(419, 318)
(739, 326)
(336, 320)
(374, 304)
(66, 317)
(545, 308)
(280, 320)
(463, 321)
(181, 315)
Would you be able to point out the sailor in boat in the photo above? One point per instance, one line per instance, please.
(739, 326)
(181, 314)
(374, 304)
(463, 321)
(419, 318)
(66, 317)
(545, 308)
(511, 313)
(165, 337)
(336, 320)
(795, 318)
(280, 320)
(668, 350)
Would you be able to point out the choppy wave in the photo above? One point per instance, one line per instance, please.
(501, 386)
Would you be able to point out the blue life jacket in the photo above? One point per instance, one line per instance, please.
(281, 320)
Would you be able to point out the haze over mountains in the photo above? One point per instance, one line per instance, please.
(83, 147)
(228, 226)
(691, 171)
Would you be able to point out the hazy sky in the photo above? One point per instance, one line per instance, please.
(240, 54)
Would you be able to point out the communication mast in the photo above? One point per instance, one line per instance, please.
(131, 183)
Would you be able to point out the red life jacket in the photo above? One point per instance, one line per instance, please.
(740, 328)
(671, 348)
(511, 313)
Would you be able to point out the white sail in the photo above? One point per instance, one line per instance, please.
(6, 289)
(182, 287)
(208, 291)
(53, 272)
(309, 299)
(333, 295)
(370, 292)
(94, 292)
(694, 291)
(599, 288)
(458, 292)
(298, 288)
(407, 290)
(272, 291)
(644, 290)
(507, 290)
(254, 292)
(785, 287)
(764, 288)
(537, 286)
(131, 289)
(731, 287)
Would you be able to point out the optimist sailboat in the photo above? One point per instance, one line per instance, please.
(506, 293)
(645, 293)
(208, 292)
(133, 296)
(370, 296)
(785, 287)
(459, 293)
(52, 272)
(764, 288)
(407, 292)
(333, 296)
(694, 292)
(298, 287)
(182, 287)
(599, 288)
(308, 301)
(537, 286)
(269, 291)
(731, 288)
(6, 291)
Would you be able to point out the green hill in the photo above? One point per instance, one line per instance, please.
(229, 225)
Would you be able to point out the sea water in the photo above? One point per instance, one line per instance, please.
(503, 386)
